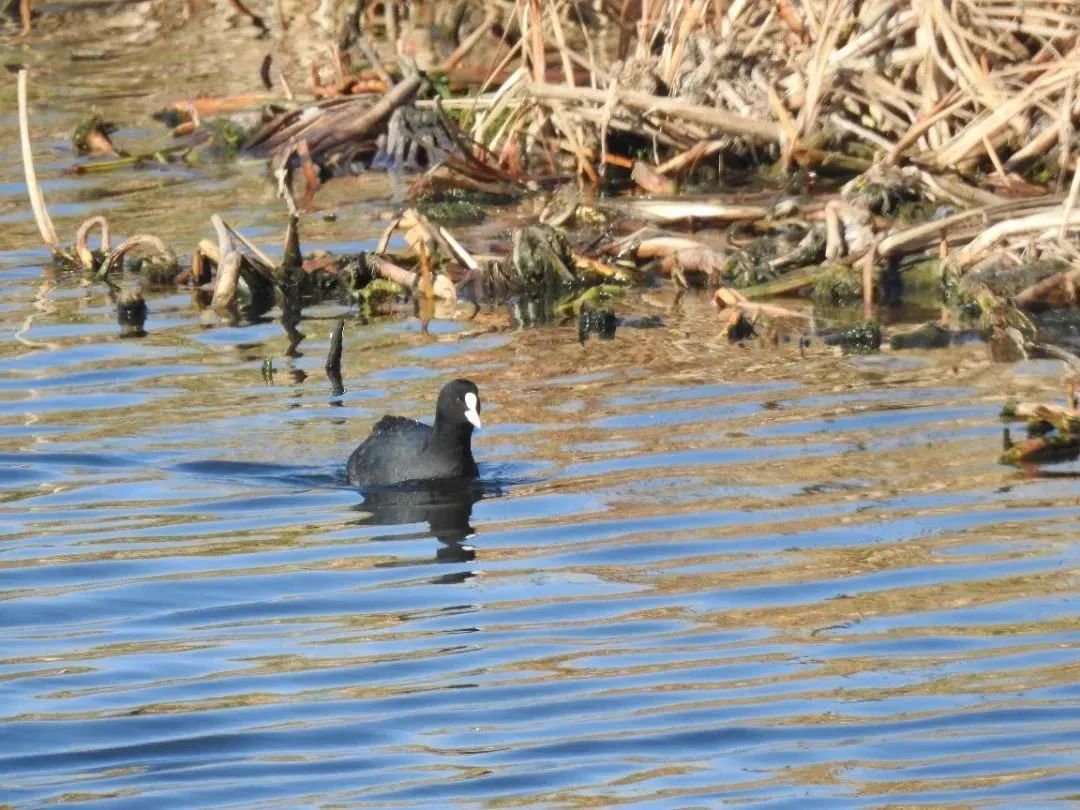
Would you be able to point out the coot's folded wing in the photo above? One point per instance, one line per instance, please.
(387, 455)
(400, 426)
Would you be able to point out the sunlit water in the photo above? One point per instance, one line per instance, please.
(694, 574)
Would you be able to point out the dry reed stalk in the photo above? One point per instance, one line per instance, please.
(970, 138)
(704, 210)
(33, 190)
(496, 104)
(399, 275)
(1066, 127)
(560, 44)
(1059, 290)
(815, 79)
(931, 76)
(532, 31)
(1035, 227)
(962, 227)
(721, 120)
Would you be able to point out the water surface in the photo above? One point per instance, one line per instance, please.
(696, 574)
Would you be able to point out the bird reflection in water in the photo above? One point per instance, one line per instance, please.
(446, 507)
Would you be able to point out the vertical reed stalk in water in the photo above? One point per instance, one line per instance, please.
(37, 200)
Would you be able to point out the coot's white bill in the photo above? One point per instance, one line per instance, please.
(472, 412)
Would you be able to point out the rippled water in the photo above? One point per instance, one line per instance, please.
(695, 574)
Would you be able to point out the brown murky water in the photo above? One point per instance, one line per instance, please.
(698, 574)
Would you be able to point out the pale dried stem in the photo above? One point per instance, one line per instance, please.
(37, 199)
(82, 237)
(1036, 227)
(560, 43)
(227, 282)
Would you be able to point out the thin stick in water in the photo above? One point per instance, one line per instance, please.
(37, 199)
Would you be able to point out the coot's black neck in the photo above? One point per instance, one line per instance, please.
(451, 434)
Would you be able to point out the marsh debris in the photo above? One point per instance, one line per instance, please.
(1053, 433)
(938, 143)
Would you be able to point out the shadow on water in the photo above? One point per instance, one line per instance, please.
(446, 509)
(445, 506)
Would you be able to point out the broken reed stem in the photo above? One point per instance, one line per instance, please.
(459, 251)
(333, 356)
(37, 199)
(82, 238)
(138, 241)
(369, 52)
(228, 279)
(333, 360)
(399, 275)
(225, 245)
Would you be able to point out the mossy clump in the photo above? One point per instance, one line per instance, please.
(157, 270)
(541, 258)
(455, 194)
(924, 275)
(600, 322)
(837, 285)
(863, 337)
(227, 136)
(131, 313)
(453, 212)
(768, 257)
(928, 336)
(958, 294)
(378, 294)
(885, 199)
(592, 299)
(1006, 279)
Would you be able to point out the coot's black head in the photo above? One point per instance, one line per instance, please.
(458, 407)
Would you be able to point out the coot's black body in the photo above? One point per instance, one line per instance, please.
(401, 450)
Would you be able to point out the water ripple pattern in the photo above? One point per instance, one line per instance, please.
(801, 582)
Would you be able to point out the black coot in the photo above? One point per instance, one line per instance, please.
(401, 450)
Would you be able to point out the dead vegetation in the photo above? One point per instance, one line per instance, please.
(863, 155)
